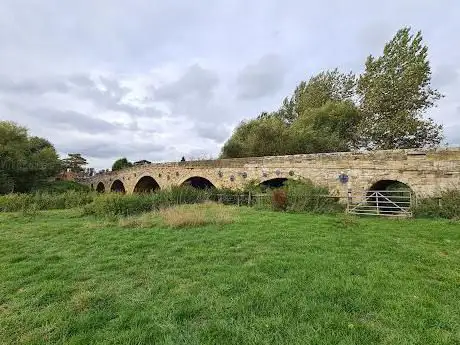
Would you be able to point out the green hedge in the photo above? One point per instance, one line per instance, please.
(304, 196)
(44, 201)
(113, 204)
(447, 205)
(299, 197)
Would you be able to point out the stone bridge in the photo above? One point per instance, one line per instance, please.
(426, 172)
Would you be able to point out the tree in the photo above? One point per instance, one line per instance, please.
(75, 162)
(329, 128)
(259, 137)
(319, 117)
(121, 163)
(6, 183)
(324, 87)
(26, 161)
(395, 93)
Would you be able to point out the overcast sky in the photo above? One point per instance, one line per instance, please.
(156, 80)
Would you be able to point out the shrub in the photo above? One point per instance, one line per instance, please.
(304, 196)
(447, 205)
(279, 200)
(114, 204)
(181, 195)
(61, 187)
(44, 201)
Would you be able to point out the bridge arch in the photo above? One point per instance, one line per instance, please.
(118, 187)
(276, 182)
(100, 188)
(382, 183)
(390, 196)
(388, 184)
(198, 182)
(146, 184)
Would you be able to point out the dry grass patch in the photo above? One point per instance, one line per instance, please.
(197, 215)
(144, 220)
(183, 216)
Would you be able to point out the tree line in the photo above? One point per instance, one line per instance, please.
(383, 108)
(27, 162)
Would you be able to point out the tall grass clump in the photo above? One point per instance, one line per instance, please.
(44, 201)
(115, 204)
(197, 215)
(61, 187)
(180, 216)
(447, 205)
(178, 195)
(304, 196)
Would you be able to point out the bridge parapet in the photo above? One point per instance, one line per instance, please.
(424, 170)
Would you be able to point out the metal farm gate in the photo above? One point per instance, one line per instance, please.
(390, 203)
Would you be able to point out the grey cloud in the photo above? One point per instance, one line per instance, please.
(115, 149)
(445, 75)
(72, 120)
(261, 79)
(81, 80)
(34, 87)
(193, 96)
(217, 133)
(109, 97)
(196, 82)
(199, 154)
(452, 134)
(373, 36)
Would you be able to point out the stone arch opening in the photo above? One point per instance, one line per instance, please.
(198, 182)
(100, 188)
(384, 185)
(273, 183)
(390, 196)
(146, 184)
(118, 187)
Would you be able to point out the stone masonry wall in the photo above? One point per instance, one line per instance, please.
(425, 171)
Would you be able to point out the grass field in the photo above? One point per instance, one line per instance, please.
(266, 278)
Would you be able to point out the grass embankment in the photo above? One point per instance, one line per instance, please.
(266, 278)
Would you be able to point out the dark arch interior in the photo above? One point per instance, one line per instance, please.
(393, 196)
(384, 185)
(198, 182)
(146, 184)
(118, 187)
(274, 183)
(100, 187)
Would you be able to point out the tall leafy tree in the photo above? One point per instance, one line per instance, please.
(121, 163)
(264, 136)
(320, 116)
(329, 128)
(25, 162)
(327, 86)
(75, 162)
(395, 93)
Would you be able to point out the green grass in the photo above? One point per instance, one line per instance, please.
(267, 278)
